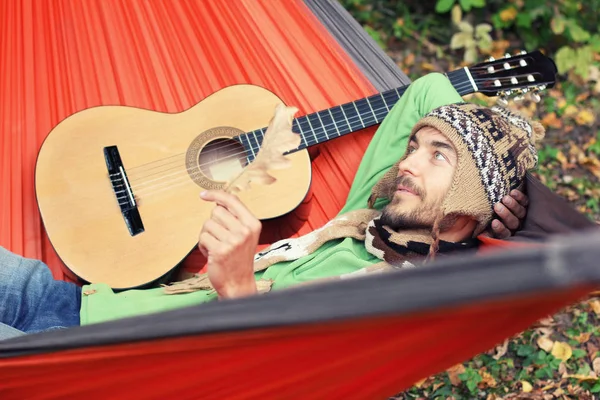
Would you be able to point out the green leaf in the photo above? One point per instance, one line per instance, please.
(482, 29)
(459, 40)
(558, 24)
(578, 34)
(456, 14)
(584, 370)
(465, 4)
(595, 388)
(525, 350)
(565, 59)
(470, 55)
(478, 3)
(443, 6)
(578, 353)
(585, 57)
(595, 43)
(523, 20)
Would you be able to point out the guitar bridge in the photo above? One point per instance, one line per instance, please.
(123, 191)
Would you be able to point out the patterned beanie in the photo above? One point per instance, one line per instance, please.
(495, 149)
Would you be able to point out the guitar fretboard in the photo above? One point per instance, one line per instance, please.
(350, 117)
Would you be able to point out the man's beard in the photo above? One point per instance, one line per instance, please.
(421, 218)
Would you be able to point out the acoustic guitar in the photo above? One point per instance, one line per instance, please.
(118, 187)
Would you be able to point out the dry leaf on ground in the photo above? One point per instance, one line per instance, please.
(454, 372)
(501, 350)
(562, 351)
(545, 343)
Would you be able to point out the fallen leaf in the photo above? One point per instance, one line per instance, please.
(596, 365)
(562, 351)
(560, 157)
(548, 321)
(570, 111)
(584, 337)
(526, 386)
(508, 14)
(585, 117)
(583, 378)
(454, 372)
(562, 368)
(581, 97)
(551, 121)
(487, 379)
(545, 343)
(501, 350)
(278, 139)
(558, 392)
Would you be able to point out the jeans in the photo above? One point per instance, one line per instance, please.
(31, 300)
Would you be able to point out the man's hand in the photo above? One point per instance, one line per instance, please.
(512, 211)
(229, 239)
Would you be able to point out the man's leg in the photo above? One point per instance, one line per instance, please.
(31, 300)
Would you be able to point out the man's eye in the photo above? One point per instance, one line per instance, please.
(439, 156)
(411, 149)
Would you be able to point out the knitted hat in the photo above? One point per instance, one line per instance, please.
(495, 149)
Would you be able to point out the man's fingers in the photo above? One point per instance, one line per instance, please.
(231, 203)
(507, 217)
(224, 217)
(514, 206)
(500, 231)
(207, 242)
(520, 197)
(217, 230)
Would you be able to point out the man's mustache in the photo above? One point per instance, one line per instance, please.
(409, 184)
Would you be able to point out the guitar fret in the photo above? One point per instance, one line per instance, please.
(343, 112)
(384, 102)
(323, 125)
(248, 145)
(312, 130)
(301, 132)
(369, 103)
(358, 112)
(334, 123)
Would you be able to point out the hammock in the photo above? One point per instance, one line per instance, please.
(367, 337)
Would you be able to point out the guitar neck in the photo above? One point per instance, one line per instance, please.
(350, 117)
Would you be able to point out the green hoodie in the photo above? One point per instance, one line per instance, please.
(333, 258)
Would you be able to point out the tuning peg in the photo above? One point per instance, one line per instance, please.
(519, 98)
(523, 52)
(502, 100)
(535, 96)
(491, 59)
(507, 55)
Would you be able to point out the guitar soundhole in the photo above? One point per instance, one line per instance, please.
(221, 159)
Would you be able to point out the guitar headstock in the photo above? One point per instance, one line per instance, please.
(515, 75)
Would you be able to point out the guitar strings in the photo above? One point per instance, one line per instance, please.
(172, 183)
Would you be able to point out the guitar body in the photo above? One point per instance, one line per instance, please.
(167, 159)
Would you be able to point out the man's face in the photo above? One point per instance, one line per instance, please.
(424, 178)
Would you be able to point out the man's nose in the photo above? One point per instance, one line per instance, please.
(409, 166)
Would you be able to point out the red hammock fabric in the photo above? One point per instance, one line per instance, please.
(62, 57)
(318, 361)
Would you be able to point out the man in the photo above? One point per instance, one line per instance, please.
(458, 162)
